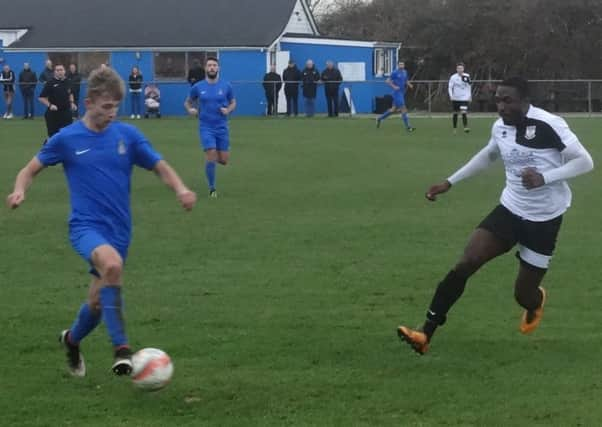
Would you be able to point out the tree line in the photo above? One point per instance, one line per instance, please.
(539, 39)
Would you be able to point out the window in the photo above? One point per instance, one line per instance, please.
(383, 65)
(175, 65)
(85, 61)
(89, 61)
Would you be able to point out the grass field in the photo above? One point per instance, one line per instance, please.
(278, 302)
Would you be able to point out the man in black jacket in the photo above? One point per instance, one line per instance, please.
(57, 96)
(291, 76)
(75, 81)
(27, 85)
(48, 73)
(332, 79)
(272, 83)
(310, 77)
(196, 73)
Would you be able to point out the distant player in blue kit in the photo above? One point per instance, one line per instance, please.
(398, 82)
(216, 101)
(98, 155)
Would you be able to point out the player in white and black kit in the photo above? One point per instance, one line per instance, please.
(460, 94)
(539, 153)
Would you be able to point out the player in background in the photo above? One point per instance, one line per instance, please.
(398, 82)
(460, 94)
(216, 101)
(97, 155)
(539, 153)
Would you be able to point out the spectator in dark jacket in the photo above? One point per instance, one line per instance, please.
(27, 85)
(332, 79)
(75, 81)
(310, 77)
(48, 73)
(272, 83)
(135, 88)
(7, 78)
(196, 73)
(291, 76)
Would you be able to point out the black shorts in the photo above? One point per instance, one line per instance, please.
(56, 120)
(536, 240)
(459, 104)
(9, 88)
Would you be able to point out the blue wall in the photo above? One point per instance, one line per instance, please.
(244, 68)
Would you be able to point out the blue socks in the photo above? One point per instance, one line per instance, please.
(85, 323)
(110, 301)
(210, 172)
(406, 121)
(385, 115)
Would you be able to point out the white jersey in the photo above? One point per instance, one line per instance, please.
(459, 87)
(536, 144)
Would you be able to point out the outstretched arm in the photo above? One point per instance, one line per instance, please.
(22, 183)
(169, 176)
(482, 160)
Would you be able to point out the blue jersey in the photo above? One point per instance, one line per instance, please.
(399, 78)
(98, 168)
(212, 97)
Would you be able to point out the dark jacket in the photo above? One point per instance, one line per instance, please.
(195, 75)
(75, 80)
(291, 77)
(27, 81)
(332, 79)
(135, 83)
(46, 75)
(272, 83)
(8, 80)
(310, 78)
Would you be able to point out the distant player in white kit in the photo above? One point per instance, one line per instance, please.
(460, 94)
(540, 153)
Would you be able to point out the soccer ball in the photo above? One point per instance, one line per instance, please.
(152, 369)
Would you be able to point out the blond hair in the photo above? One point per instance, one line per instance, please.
(105, 81)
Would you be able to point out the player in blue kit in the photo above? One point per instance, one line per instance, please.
(398, 82)
(98, 155)
(216, 101)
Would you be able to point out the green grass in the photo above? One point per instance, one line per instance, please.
(278, 302)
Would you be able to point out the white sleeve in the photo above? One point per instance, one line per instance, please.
(577, 162)
(450, 87)
(482, 160)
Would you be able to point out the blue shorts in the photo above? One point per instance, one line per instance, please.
(216, 139)
(85, 239)
(399, 99)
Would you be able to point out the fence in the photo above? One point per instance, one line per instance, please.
(366, 97)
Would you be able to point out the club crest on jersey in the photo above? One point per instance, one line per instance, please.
(121, 147)
(530, 132)
(220, 92)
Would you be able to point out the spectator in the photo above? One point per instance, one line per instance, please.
(48, 73)
(332, 79)
(152, 98)
(57, 96)
(75, 81)
(27, 85)
(7, 78)
(291, 76)
(135, 87)
(196, 73)
(310, 77)
(272, 83)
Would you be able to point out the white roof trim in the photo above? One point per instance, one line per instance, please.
(132, 49)
(310, 16)
(337, 42)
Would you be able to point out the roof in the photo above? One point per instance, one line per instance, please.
(146, 23)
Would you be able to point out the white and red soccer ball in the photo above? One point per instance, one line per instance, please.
(152, 369)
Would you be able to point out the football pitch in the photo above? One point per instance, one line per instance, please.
(278, 302)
